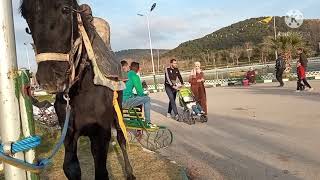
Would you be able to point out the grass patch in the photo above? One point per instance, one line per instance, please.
(146, 165)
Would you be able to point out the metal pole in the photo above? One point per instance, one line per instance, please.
(9, 104)
(275, 33)
(158, 62)
(27, 53)
(151, 52)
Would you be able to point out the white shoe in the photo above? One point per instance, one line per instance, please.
(297, 91)
(168, 115)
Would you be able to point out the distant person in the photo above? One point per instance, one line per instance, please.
(125, 69)
(172, 73)
(304, 62)
(301, 75)
(130, 100)
(251, 76)
(303, 58)
(280, 68)
(196, 80)
(302, 78)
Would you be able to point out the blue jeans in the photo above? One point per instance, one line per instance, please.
(197, 109)
(172, 94)
(137, 101)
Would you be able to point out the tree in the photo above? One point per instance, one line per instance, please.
(237, 51)
(213, 56)
(286, 43)
(232, 56)
(248, 49)
(219, 57)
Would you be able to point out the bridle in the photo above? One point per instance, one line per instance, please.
(74, 56)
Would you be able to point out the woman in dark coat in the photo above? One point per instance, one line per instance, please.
(196, 80)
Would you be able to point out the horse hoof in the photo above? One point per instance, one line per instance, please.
(131, 177)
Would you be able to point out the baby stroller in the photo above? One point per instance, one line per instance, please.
(192, 110)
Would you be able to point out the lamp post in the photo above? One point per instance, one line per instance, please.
(27, 53)
(10, 125)
(150, 42)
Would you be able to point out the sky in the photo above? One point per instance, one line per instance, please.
(172, 21)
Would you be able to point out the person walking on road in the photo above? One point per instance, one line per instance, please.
(304, 62)
(301, 75)
(172, 73)
(280, 67)
(196, 80)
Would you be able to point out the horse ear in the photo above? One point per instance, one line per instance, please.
(28, 31)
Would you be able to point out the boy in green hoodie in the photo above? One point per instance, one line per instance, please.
(131, 100)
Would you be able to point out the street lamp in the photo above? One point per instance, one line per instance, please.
(26, 47)
(150, 41)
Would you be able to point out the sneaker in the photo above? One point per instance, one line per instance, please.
(150, 125)
(202, 112)
(168, 115)
(310, 89)
(297, 91)
(199, 114)
(177, 117)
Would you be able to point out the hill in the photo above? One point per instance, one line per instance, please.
(249, 31)
(138, 54)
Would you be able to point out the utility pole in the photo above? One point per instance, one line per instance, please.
(9, 103)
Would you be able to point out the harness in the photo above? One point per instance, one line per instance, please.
(73, 58)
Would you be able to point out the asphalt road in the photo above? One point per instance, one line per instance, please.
(256, 133)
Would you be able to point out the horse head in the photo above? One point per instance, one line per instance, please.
(53, 26)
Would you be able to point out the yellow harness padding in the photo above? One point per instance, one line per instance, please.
(120, 117)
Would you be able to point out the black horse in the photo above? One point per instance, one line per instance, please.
(53, 26)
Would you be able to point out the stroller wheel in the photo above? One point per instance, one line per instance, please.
(204, 119)
(191, 120)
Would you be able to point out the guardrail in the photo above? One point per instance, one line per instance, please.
(233, 69)
(226, 82)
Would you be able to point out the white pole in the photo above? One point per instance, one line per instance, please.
(150, 41)
(9, 106)
(275, 33)
(151, 52)
(27, 53)
(158, 61)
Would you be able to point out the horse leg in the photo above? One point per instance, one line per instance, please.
(122, 143)
(71, 165)
(99, 149)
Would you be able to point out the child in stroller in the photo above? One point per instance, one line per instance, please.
(191, 107)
